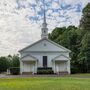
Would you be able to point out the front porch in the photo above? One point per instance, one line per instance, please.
(61, 65)
(28, 65)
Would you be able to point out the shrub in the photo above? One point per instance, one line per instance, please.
(74, 70)
(45, 70)
(15, 70)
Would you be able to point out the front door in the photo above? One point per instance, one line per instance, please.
(61, 66)
(44, 61)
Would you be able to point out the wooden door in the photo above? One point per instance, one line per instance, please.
(44, 61)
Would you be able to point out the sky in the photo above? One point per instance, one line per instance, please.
(21, 20)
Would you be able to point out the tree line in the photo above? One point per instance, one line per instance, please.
(77, 39)
(8, 62)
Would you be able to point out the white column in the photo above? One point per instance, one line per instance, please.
(21, 67)
(54, 66)
(33, 67)
(36, 66)
(68, 66)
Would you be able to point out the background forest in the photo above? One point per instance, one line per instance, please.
(77, 39)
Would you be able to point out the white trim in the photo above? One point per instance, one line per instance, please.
(48, 41)
(28, 55)
(56, 58)
(46, 51)
(35, 59)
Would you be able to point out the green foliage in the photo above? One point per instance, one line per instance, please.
(4, 64)
(15, 70)
(85, 25)
(45, 71)
(70, 38)
(8, 62)
(15, 61)
(77, 40)
(85, 20)
(45, 83)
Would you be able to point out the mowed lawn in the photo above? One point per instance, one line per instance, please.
(45, 83)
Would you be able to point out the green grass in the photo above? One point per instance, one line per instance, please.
(45, 83)
(86, 74)
(80, 75)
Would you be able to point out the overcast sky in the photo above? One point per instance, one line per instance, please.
(21, 20)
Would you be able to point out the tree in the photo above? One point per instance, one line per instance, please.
(85, 25)
(15, 61)
(77, 40)
(4, 64)
(85, 20)
(9, 59)
(8, 62)
(70, 38)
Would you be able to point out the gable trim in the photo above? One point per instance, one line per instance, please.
(30, 56)
(30, 45)
(59, 45)
(48, 41)
(60, 56)
(46, 51)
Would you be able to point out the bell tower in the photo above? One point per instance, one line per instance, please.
(44, 29)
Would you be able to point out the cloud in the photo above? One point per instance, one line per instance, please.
(21, 20)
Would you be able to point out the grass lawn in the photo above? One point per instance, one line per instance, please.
(86, 74)
(45, 83)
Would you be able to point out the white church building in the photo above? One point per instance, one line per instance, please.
(44, 53)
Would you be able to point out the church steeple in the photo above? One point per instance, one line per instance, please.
(44, 25)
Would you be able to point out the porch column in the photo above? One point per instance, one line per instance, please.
(36, 66)
(54, 66)
(21, 67)
(68, 66)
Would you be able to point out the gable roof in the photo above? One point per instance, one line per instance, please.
(48, 41)
(59, 57)
(30, 56)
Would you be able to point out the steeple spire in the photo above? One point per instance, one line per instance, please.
(44, 25)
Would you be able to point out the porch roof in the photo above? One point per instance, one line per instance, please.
(61, 57)
(28, 58)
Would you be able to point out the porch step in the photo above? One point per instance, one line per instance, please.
(63, 73)
(27, 73)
